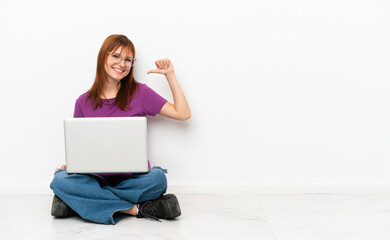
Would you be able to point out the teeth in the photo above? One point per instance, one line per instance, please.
(118, 70)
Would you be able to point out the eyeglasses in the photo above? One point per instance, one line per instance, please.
(116, 58)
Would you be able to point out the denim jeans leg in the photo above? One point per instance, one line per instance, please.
(141, 187)
(85, 195)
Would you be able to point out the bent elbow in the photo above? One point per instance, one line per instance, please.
(186, 117)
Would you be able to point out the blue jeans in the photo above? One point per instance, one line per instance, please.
(98, 200)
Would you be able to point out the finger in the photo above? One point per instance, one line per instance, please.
(159, 64)
(154, 71)
(164, 63)
(57, 169)
(167, 62)
(63, 166)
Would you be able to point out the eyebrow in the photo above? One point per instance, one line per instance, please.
(120, 55)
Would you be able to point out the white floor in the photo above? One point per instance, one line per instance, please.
(215, 216)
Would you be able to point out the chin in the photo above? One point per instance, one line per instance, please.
(118, 78)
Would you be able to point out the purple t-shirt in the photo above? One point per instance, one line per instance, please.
(144, 102)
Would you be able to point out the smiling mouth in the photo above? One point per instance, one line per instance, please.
(118, 70)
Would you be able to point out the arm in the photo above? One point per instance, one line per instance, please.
(180, 109)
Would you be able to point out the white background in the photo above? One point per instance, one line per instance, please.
(281, 92)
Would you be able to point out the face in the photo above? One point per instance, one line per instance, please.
(117, 71)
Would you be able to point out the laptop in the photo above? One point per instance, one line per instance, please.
(106, 145)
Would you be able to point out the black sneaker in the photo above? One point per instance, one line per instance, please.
(59, 209)
(166, 207)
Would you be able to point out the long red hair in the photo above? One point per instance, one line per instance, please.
(128, 88)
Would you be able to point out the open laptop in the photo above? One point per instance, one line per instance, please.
(106, 145)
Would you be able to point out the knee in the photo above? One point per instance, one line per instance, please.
(158, 177)
(59, 180)
(62, 181)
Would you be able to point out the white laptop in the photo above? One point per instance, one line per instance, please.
(106, 145)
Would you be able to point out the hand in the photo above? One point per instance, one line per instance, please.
(63, 167)
(164, 66)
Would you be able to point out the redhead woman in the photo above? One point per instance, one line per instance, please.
(107, 198)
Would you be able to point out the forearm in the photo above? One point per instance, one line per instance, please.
(180, 101)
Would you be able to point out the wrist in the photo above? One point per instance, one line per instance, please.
(170, 75)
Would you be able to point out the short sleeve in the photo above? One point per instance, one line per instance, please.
(152, 102)
(77, 110)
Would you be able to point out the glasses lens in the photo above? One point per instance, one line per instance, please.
(129, 62)
(115, 58)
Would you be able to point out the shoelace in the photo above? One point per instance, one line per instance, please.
(149, 213)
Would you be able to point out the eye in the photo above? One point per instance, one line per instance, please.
(129, 60)
(115, 55)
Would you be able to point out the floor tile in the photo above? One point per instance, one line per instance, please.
(324, 202)
(332, 236)
(214, 216)
(329, 221)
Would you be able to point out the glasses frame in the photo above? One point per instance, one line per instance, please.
(122, 59)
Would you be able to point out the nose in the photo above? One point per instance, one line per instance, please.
(122, 63)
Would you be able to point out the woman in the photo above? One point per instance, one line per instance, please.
(107, 198)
